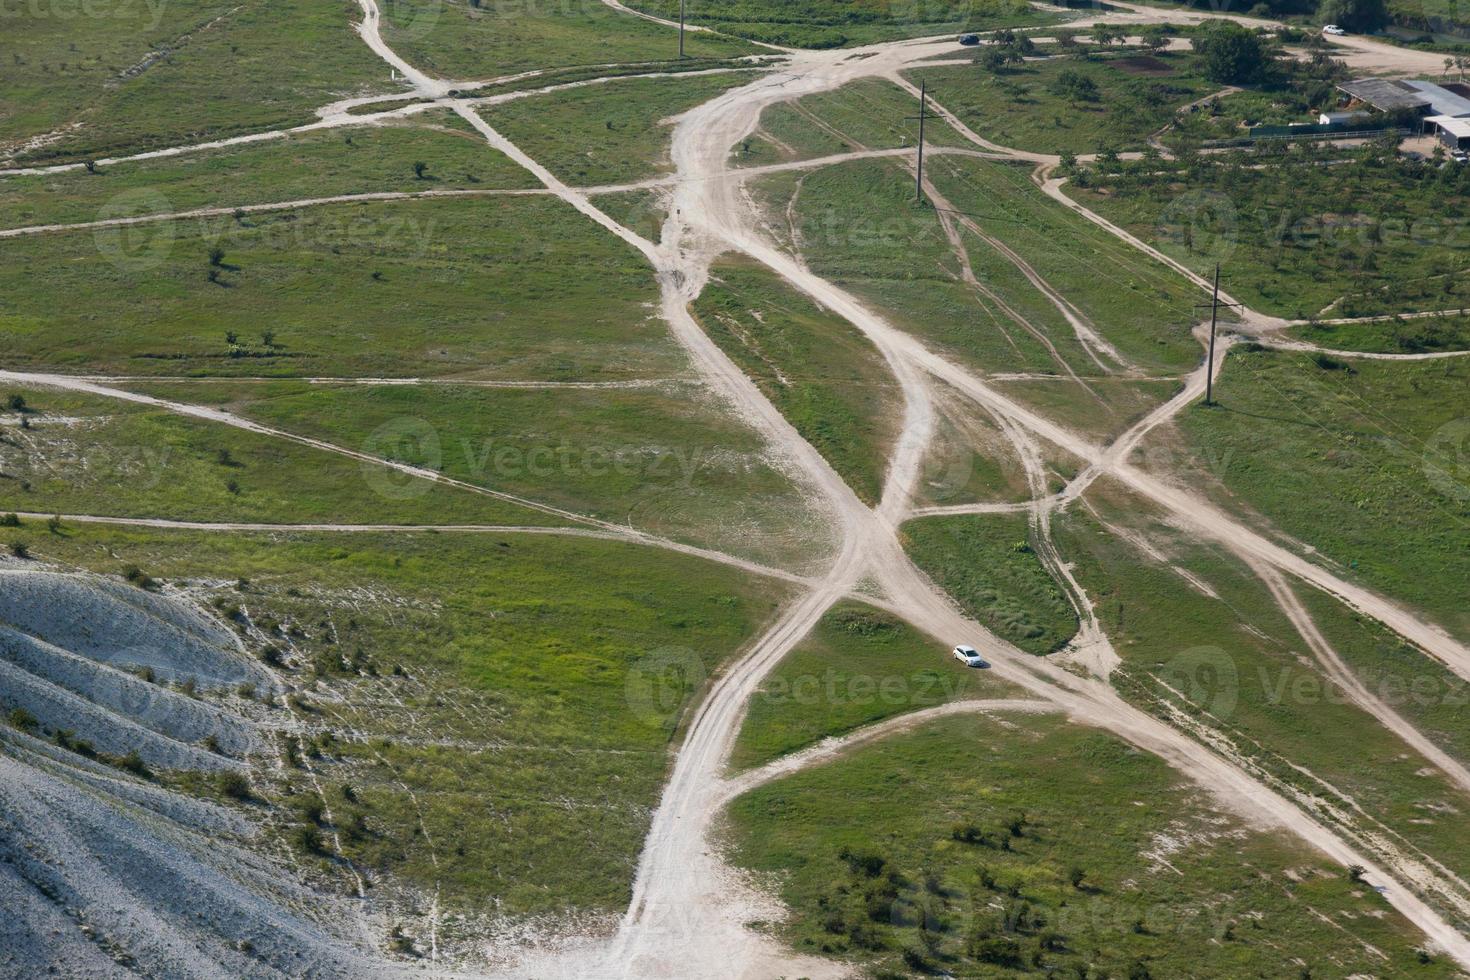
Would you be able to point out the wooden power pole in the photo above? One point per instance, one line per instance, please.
(923, 112)
(1215, 305)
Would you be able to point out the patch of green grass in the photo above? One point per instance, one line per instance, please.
(838, 23)
(1303, 235)
(1359, 461)
(1428, 695)
(618, 132)
(823, 375)
(357, 160)
(79, 454)
(1397, 336)
(114, 77)
(859, 666)
(871, 113)
(1217, 651)
(1140, 306)
(870, 853)
(643, 212)
(969, 459)
(1026, 106)
(856, 224)
(986, 563)
(667, 460)
(495, 703)
(518, 288)
(1119, 402)
(498, 39)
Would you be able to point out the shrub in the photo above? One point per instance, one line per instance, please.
(20, 549)
(307, 839)
(234, 785)
(133, 763)
(22, 719)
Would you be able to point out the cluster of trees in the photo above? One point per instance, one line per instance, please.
(1381, 228)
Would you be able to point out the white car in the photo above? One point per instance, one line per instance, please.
(1334, 30)
(967, 656)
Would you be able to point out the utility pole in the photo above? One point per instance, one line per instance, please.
(923, 107)
(681, 29)
(1214, 322)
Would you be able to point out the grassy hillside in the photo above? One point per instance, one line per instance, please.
(510, 287)
(110, 78)
(1023, 846)
(838, 23)
(490, 705)
(1358, 461)
(359, 160)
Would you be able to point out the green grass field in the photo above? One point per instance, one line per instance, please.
(823, 375)
(901, 859)
(358, 160)
(859, 666)
(85, 455)
(495, 40)
(1024, 106)
(519, 288)
(664, 460)
(618, 132)
(114, 77)
(1240, 667)
(838, 23)
(1398, 336)
(1360, 463)
(856, 224)
(494, 703)
(1302, 238)
(969, 460)
(871, 113)
(986, 563)
(1140, 306)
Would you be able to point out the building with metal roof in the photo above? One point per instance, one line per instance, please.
(1387, 95)
(1443, 101)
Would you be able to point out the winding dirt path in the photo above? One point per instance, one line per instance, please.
(688, 913)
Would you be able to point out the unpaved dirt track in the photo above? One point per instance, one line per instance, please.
(688, 913)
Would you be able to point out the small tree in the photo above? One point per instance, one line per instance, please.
(268, 338)
(16, 403)
(419, 169)
(1232, 55)
(216, 256)
(1076, 876)
(20, 549)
